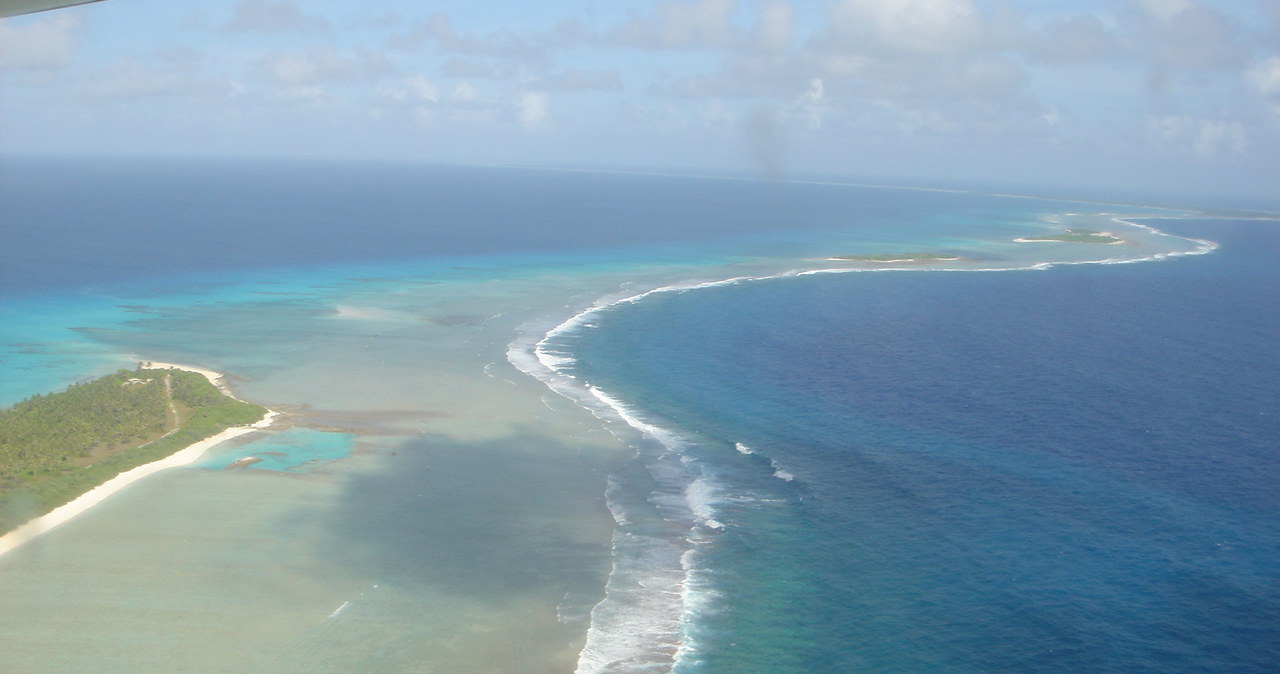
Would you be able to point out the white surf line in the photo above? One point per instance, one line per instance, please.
(86, 501)
(554, 363)
(536, 358)
(349, 603)
(1204, 245)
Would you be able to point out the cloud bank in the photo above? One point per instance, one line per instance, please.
(919, 87)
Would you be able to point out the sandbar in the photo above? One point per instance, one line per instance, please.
(896, 258)
(1075, 236)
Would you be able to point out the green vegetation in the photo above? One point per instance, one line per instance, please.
(896, 257)
(55, 447)
(1077, 236)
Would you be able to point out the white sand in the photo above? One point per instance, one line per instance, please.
(896, 260)
(1106, 243)
(214, 378)
(187, 455)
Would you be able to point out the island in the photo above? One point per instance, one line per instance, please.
(96, 437)
(896, 257)
(1074, 236)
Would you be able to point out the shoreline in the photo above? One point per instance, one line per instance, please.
(213, 376)
(611, 633)
(185, 456)
(899, 260)
(609, 639)
(1095, 243)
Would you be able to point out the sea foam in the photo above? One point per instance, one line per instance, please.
(643, 620)
(655, 590)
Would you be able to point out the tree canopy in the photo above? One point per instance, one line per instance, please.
(57, 446)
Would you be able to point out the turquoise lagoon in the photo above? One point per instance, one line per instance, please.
(520, 421)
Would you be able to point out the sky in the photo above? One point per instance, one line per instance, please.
(1157, 95)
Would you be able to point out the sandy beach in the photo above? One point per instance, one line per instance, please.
(897, 260)
(214, 377)
(187, 455)
(1118, 240)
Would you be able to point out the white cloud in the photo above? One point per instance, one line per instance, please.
(1213, 137)
(470, 68)
(1206, 138)
(575, 79)
(307, 93)
(950, 81)
(845, 66)
(913, 121)
(927, 27)
(464, 93)
(422, 88)
(680, 24)
(177, 71)
(775, 27)
(412, 88)
(423, 116)
(1272, 9)
(1073, 39)
(998, 75)
(813, 104)
(985, 77)
(128, 78)
(716, 115)
(1198, 38)
(322, 64)
(944, 51)
(265, 16)
(1051, 116)
(532, 109)
(47, 44)
(1265, 76)
(437, 32)
(1164, 10)
(1185, 35)
(291, 68)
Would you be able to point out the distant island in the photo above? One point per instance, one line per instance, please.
(1074, 236)
(56, 447)
(896, 257)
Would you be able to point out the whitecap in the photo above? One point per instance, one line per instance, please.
(655, 590)
(701, 495)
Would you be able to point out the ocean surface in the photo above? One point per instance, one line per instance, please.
(553, 421)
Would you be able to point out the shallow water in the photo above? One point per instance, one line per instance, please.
(425, 503)
(475, 510)
(1072, 469)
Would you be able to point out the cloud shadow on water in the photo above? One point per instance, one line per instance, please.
(523, 514)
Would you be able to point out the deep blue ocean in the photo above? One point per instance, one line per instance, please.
(103, 224)
(1073, 469)
(1069, 469)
